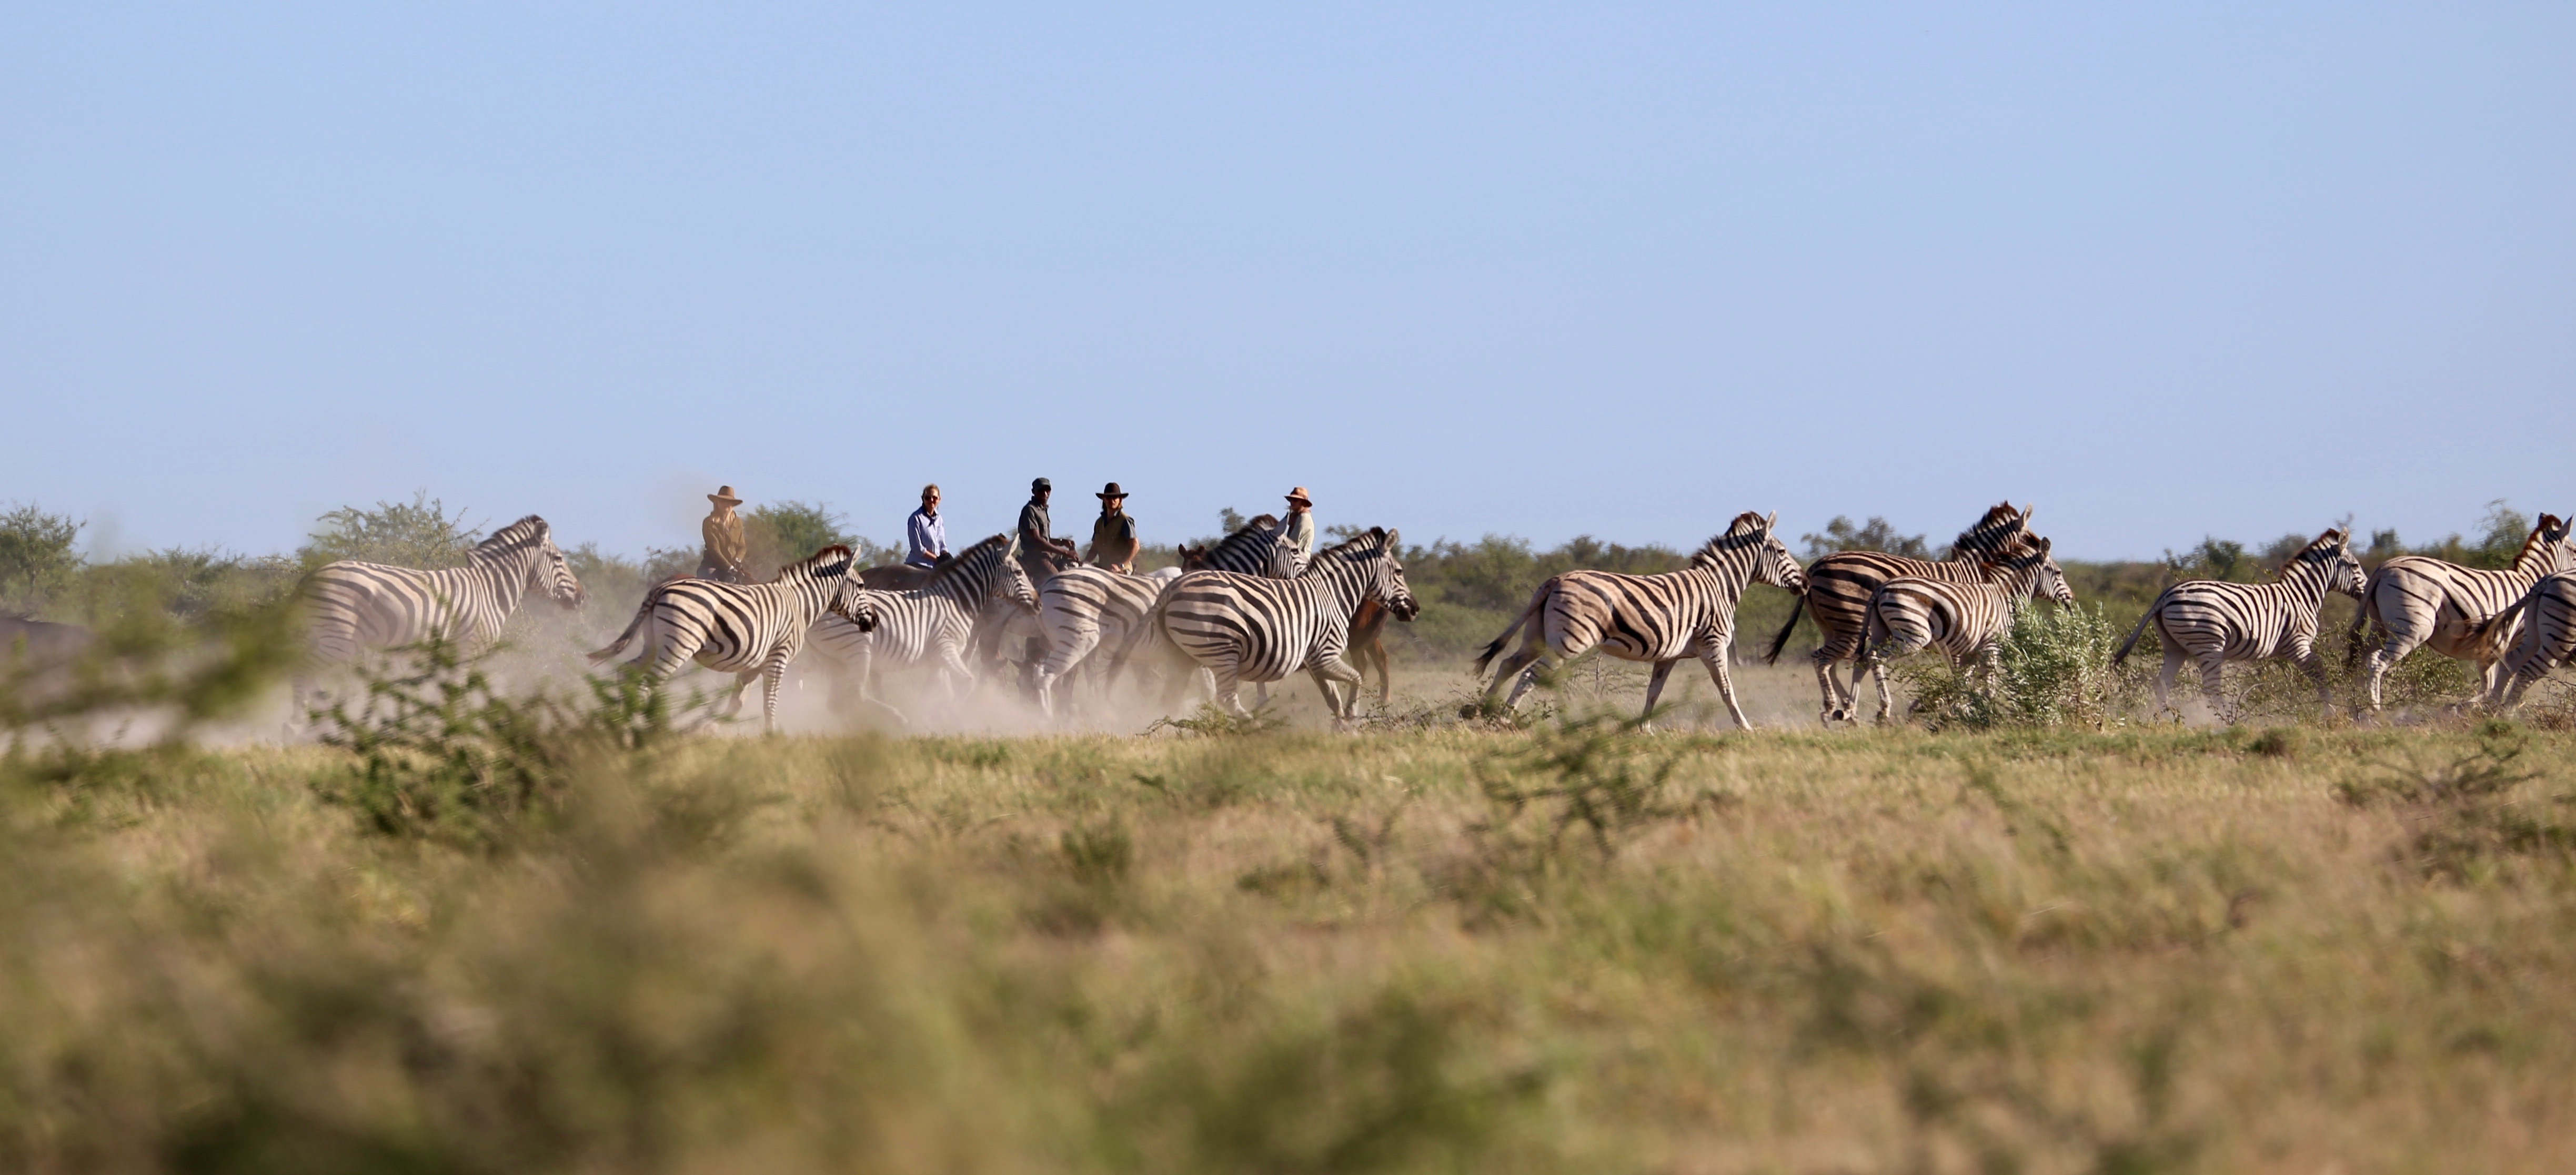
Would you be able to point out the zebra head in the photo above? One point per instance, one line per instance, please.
(2002, 529)
(526, 549)
(1750, 552)
(854, 602)
(1386, 583)
(1013, 585)
(2027, 570)
(2331, 559)
(2557, 553)
(1252, 549)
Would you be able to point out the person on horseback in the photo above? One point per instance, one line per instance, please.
(1041, 553)
(1113, 537)
(726, 546)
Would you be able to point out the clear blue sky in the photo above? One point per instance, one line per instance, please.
(1540, 270)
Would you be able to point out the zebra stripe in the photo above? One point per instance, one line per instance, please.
(1963, 620)
(1656, 618)
(935, 621)
(751, 630)
(2422, 601)
(1248, 628)
(2214, 623)
(2547, 615)
(353, 607)
(1840, 585)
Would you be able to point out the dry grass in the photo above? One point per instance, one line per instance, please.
(1860, 951)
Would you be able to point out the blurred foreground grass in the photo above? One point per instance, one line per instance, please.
(1447, 949)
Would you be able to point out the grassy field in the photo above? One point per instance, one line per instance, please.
(1436, 946)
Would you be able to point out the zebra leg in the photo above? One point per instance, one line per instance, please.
(1654, 690)
(1719, 671)
(2213, 668)
(1341, 685)
(1229, 688)
(2165, 679)
(1528, 677)
(772, 676)
(1835, 708)
(741, 681)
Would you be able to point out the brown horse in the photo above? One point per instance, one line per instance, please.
(1368, 632)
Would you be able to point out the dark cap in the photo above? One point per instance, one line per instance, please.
(1111, 491)
(1040, 486)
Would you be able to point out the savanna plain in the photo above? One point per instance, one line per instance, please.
(487, 926)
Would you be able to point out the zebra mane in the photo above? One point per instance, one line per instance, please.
(2551, 529)
(1746, 525)
(821, 564)
(1360, 546)
(1257, 533)
(2333, 541)
(971, 561)
(2002, 529)
(518, 535)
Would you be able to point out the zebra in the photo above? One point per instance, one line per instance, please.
(1088, 608)
(1963, 620)
(1249, 628)
(1839, 587)
(2547, 614)
(933, 621)
(2214, 622)
(1258, 547)
(751, 630)
(2418, 600)
(1654, 618)
(352, 607)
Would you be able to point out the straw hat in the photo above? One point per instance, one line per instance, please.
(1299, 495)
(1110, 491)
(724, 495)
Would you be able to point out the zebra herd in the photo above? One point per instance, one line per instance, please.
(1254, 609)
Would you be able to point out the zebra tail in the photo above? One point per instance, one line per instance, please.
(624, 638)
(2134, 633)
(1537, 600)
(2360, 617)
(1782, 641)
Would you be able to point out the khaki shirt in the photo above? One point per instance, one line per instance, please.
(1112, 539)
(725, 542)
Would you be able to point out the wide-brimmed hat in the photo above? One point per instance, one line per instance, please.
(1299, 495)
(724, 494)
(1110, 491)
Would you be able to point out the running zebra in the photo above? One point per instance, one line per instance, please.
(354, 607)
(2547, 614)
(2418, 600)
(935, 621)
(1248, 628)
(1963, 620)
(1088, 608)
(2213, 622)
(1656, 618)
(1839, 587)
(751, 630)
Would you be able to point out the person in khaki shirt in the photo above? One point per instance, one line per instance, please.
(726, 547)
(1113, 537)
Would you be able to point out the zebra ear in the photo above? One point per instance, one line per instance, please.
(1769, 523)
(1391, 540)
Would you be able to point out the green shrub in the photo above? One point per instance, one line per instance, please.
(2053, 668)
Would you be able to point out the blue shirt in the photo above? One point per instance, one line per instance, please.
(926, 534)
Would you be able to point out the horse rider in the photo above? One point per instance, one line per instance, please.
(925, 533)
(1301, 523)
(1113, 536)
(726, 548)
(1041, 553)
